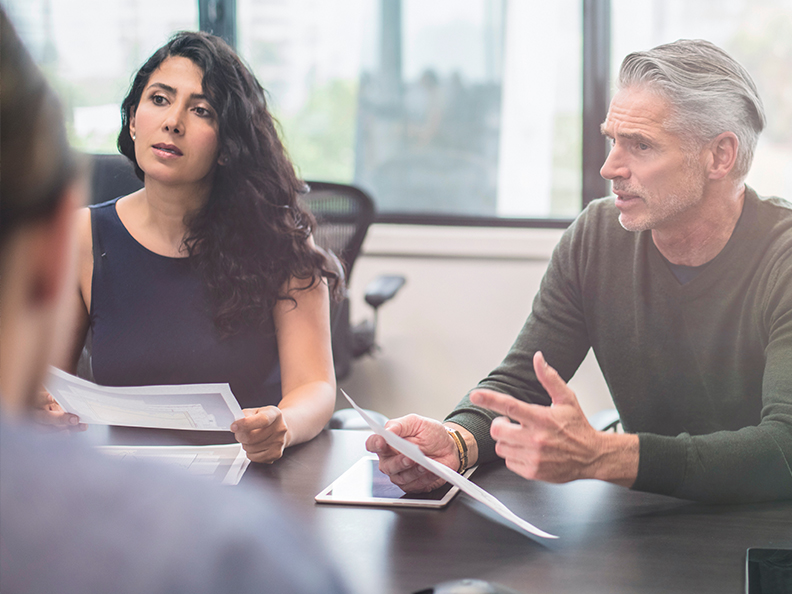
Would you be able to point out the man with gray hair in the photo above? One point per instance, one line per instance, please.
(682, 285)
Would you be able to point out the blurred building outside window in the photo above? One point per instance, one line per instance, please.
(90, 49)
(441, 107)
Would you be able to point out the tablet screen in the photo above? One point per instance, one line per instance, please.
(364, 484)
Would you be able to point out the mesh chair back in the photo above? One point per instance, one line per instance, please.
(343, 215)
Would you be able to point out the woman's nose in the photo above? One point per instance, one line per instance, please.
(173, 121)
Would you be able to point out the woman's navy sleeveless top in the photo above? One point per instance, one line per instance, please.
(151, 322)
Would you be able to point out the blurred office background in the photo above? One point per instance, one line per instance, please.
(466, 120)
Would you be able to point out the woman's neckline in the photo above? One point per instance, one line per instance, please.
(138, 242)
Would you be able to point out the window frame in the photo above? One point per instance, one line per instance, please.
(219, 17)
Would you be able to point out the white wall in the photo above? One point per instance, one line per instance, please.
(467, 295)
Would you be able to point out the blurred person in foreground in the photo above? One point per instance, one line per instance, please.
(71, 521)
(682, 286)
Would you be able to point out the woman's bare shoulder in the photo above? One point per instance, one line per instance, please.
(84, 253)
(84, 239)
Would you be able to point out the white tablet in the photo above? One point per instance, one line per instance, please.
(364, 484)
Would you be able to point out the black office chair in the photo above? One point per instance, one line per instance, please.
(112, 176)
(606, 420)
(343, 214)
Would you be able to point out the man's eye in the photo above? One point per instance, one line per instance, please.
(643, 147)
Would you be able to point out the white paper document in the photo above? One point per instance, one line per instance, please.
(413, 452)
(224, 463)
(200, 407)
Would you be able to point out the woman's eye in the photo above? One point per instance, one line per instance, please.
(202, 112)
(158, 100)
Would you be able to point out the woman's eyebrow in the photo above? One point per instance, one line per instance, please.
(163, 86)
(170, 89)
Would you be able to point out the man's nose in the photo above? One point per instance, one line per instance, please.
(615, 165)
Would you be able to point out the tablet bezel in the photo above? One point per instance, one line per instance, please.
(325, 495)
(768, 558)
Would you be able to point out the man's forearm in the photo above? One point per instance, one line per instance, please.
(618, 459)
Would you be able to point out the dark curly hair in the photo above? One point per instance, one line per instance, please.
(252, 236)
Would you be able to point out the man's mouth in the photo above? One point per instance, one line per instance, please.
(625, 196)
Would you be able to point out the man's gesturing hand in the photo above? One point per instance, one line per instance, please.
(429, 435)
(556, 443)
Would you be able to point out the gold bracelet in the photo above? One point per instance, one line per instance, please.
(461, 448)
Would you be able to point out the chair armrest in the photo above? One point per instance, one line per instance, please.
(605, 420)
(349, 418)
(382, 289)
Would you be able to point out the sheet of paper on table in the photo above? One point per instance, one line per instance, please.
(413, 452)
(201, 407)
(224, 463)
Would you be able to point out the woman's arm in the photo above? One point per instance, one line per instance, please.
(307, 377)
(306, 359)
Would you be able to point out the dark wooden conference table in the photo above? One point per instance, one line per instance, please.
(612, 540)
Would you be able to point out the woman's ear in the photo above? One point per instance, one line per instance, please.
(132, 125)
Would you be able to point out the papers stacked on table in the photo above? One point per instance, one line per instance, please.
(196, 407)
(223, 463)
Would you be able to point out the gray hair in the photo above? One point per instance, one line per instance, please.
(709, 91)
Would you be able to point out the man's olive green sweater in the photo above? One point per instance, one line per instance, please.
(702, 372)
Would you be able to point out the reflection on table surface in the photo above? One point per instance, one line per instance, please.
(611, 539)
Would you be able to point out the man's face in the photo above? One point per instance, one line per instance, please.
(656, 180)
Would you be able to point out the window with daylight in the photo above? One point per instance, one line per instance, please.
(445, 111)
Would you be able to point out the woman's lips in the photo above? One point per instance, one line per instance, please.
(167, 151)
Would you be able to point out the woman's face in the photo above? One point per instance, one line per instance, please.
(174, 128)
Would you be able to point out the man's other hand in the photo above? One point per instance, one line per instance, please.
(429, 435)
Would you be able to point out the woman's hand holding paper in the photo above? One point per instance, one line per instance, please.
(263, 433)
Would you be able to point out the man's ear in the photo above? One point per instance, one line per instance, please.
(53, 250)
(723, 155)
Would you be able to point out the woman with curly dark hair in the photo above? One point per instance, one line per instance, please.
(209, 273)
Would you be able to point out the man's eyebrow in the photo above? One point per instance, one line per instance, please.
(637, 136)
